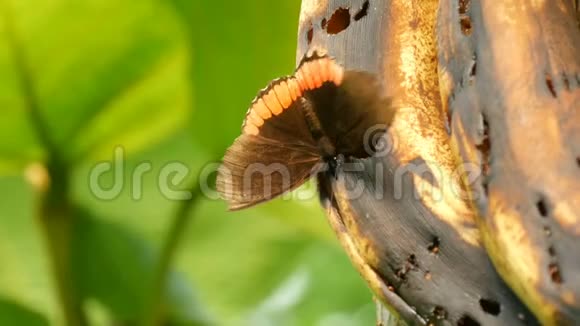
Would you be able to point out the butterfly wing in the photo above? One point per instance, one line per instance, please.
(276, 151)
(348, 104)
(257, 169)
(285, 130)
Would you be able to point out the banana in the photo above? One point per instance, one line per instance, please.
(509, 75)
(411, 227)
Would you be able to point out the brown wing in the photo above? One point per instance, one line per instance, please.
(350, 114)
(256, 169)
(276, 151)
(349, 105)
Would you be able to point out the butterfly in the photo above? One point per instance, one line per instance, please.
(300, 126)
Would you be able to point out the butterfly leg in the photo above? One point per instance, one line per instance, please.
(336, 165)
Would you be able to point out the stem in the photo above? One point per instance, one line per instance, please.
(157, 301)
(55, 220)
(54, 210)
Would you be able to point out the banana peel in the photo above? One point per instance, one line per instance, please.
(412, 232)
(510, 85)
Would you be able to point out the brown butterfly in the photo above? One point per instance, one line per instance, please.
(300, 126)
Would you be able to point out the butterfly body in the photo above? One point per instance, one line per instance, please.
(299, 126)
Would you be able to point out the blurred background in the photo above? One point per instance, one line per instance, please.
(161, 82)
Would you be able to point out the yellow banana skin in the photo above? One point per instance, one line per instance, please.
(510, 81)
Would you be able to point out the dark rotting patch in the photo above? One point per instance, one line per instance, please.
(578, 161)
(412, 261)
(542, 207)
(552, 251)
(491, 307)
(363, 12)
(485, 149)
(465, 23)
(323, 23)
(485, 185)
(310, 35)
(555, 274)
(566, 81)
(339, 21)
(464, 6)
(434, 246)
(401, 273)
(550, 85)
(473, 70)
(410, 265)
(467, 320)
(449, 116)
(464, 19)
(439, 313)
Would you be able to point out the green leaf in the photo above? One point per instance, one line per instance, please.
(12, 313)
(239, 260)
(115, 267)
(18, 144)
(239, 47)
(104, 73)
(321, 272)
(24, 272)
(235, 260)
(111, 73)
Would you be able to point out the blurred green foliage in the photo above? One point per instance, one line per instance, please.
(168, 81)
